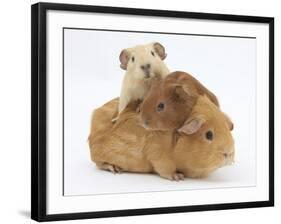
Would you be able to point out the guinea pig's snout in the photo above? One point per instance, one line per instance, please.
(145, 123)
(228, 157)
(146, 69)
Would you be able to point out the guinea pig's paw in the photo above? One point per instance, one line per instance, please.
(114, 169)
(177, 176)
(113, 120)
(138, 109)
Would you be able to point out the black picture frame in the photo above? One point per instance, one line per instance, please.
(39, 107)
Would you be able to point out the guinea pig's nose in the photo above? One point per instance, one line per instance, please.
(145, 67)
(228, 158)
(145, 123)
(227, 154)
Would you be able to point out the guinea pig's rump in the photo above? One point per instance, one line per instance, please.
(100, 124)
(121, 143)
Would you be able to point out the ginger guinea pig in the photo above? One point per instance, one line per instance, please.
(203, 144)
(169, 101)
(141, 62)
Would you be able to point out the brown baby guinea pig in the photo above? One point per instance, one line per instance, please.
(169, 101)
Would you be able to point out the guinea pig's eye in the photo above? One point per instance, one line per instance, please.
(209, 135)
(133, 59)
(152, 53)
(160, 107)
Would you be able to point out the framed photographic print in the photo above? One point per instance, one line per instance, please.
(140, 111)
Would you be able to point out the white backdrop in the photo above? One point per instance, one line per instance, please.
(15, 110)
(92, 76)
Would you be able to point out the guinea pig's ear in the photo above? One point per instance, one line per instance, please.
(180, 92)
(229, 122)
(124, 57)
(192, 125)
(160, 50)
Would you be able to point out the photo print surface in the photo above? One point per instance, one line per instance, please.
(92, 77)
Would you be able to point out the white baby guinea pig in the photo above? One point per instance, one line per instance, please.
(141, 62)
